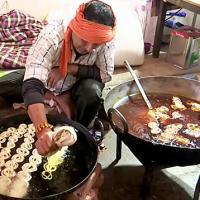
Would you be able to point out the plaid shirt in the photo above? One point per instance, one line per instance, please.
(45, 54)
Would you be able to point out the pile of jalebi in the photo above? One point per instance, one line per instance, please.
(53, 163)
(14, 181)
(64, 136)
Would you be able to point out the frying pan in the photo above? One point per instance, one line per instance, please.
(73, 172)
(148, 152)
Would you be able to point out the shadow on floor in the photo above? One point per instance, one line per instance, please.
(124, 182)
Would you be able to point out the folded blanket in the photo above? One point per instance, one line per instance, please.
(18, 31)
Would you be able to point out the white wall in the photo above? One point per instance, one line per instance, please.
(37, 8)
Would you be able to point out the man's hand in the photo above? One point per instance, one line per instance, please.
(44, 143)
(72, 69)
(54, 77)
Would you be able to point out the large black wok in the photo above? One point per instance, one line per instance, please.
(148, 152)
(66, 179)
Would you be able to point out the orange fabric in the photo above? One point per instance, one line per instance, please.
(66, 52)
(87, 30)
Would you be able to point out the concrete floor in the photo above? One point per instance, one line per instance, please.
(123, 181)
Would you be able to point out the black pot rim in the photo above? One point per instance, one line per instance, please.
(81, 128)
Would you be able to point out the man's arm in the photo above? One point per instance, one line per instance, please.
(103, 68)
(105, 61)
(33, 92)
(85, 71)
(39, 64)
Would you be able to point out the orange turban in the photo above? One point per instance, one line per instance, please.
(87, 30)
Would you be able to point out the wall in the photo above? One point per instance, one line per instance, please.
(39, 9)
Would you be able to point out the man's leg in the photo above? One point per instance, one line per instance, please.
(86, 96)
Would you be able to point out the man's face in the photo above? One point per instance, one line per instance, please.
(82, 46)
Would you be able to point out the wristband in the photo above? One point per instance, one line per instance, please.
(42, 126)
